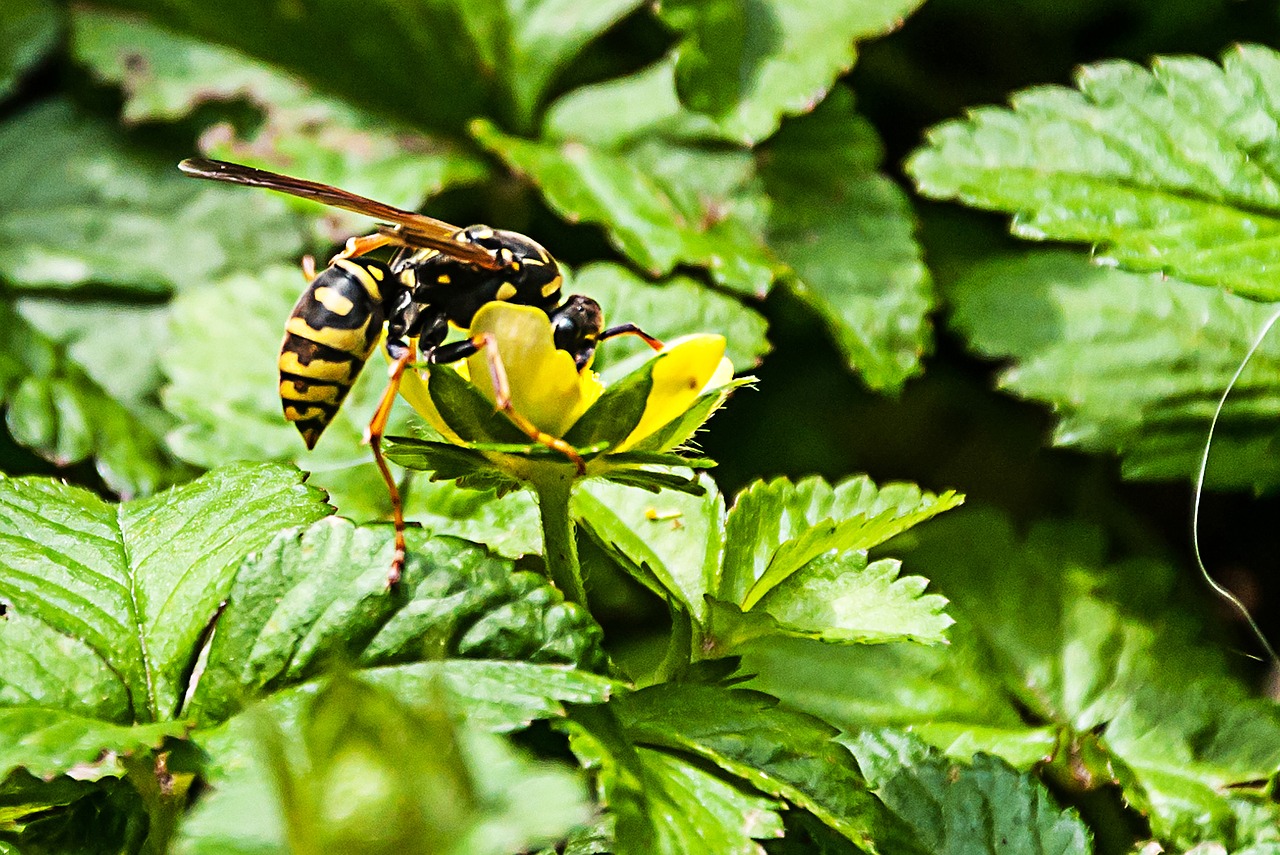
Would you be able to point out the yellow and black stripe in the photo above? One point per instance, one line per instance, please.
(332, 331)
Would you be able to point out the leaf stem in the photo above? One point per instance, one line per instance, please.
(560, 550)
(163, 800)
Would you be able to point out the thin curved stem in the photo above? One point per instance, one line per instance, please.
(560, 550)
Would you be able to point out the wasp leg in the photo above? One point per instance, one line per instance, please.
(502, 392)
(358, 246)
(630, 329)
(373, 436)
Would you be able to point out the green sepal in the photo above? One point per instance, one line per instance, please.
(682, 427)
(617, 411)
(655, 481)
(448, 462)
(660, 458)
(466, 410)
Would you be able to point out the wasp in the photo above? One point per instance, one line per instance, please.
(437, 279)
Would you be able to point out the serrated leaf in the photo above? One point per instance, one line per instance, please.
(777, 527)
(667, 310)
(671, 542)
(28, 30)
(840, 598)
(166, 76)
(847, 232)
(789, 56)
(319, 597)
(55, 408)
(83, 208)
(1098, 648)
(664, 804)
(663, 204)
(133, 584)
(525, 44)
(946, 695)
(1133, 364)
(986, 807)
(780, 752)
(48, 742)
(507, 525)
(1170, 169)
(359, 768)
(378, 58)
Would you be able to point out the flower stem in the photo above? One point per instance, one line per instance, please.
(560, 551)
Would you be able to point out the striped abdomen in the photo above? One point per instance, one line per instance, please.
(330, 334)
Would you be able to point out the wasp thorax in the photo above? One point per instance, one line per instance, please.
(528, 266)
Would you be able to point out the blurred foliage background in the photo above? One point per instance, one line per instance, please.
(136, 304)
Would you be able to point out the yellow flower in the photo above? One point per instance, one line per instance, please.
(549, 391)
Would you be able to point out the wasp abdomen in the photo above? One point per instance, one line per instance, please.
(333, 329)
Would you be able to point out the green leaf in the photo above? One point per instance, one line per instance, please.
(55, 408)
(99, 818)
(319, 597)
(28, 31)
(359, 768)
(526, 44)
(1100, 648)
(665, 805)
(394, 59)
(671, 543)
(224, 389)
(134, 585)
(507, 525)
(1165, 170)
(847, 232)
(23, 796)
(713, 65)
(948, 695)
(166, 76)
(840, 598)
(777, 527)
(789, 55)
(589, 113)
(986, 807)
(82, 208)
(48, 742)
(1132, 364)
(783, 753)
(668, 310)
(663, 204)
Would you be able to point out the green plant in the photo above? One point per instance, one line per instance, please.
(199, 651)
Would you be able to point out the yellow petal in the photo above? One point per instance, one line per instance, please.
(545, 385)
(686, 368)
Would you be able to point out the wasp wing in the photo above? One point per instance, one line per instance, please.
(407, 228)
